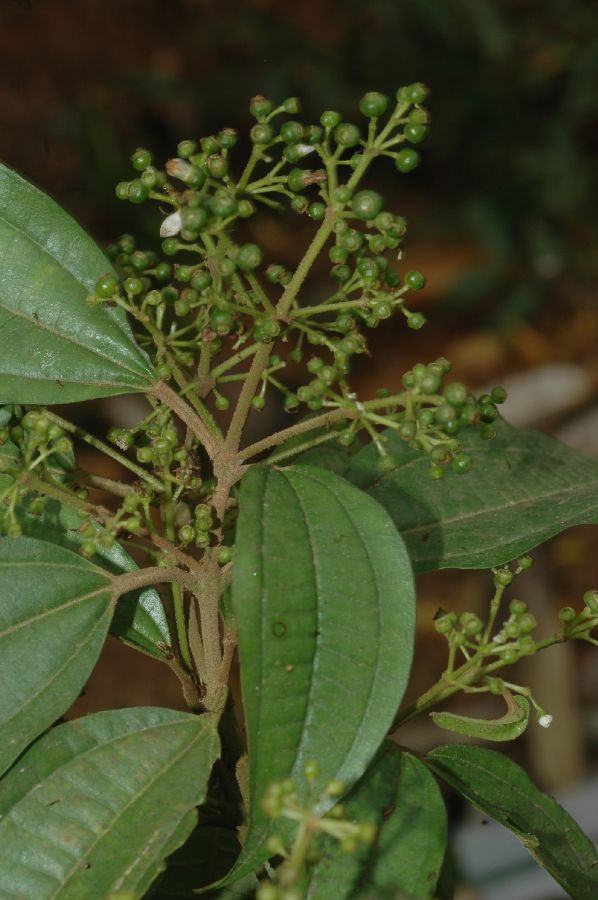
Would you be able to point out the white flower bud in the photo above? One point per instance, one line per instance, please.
(545, 721)
(179, 168)
(171, 225)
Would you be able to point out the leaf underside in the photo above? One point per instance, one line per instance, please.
(96, 805)
(139, 618)
(324, 601)
(58, 348)
(523, 488)
(401, 798)
(55, 609)
(501, 789)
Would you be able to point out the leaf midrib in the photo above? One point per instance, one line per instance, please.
(524, 798)
(172, 761)
(38, 323)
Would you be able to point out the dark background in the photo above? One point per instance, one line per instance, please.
(503, 210)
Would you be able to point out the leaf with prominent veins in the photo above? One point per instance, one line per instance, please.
(55, 611)
(324, 602)
(524, 488)
(58, 348)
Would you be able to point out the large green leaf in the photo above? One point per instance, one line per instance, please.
(56, 347)
(95, 805)
(401, 798)
(55, 609)
(501, 789)
(524, 488)
(139, 618)
(324, 601)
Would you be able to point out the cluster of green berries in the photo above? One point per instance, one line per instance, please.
(513, 640)
(578, 626)
(129, 518)
(282, 800)
(223, 295)
(30, 442)
(436, 413)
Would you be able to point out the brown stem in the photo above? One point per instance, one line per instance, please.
(188, 415)
(130, 581)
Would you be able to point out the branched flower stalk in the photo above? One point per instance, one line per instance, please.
(226, 330)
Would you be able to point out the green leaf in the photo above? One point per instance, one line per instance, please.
(139, 618)
(401, 798)
(501, 789)
(57, 348)
(96, 805)
(324, 600)
(55, 609)
(507, 728)
(524, 488)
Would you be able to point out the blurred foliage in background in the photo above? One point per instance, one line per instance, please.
(509, 168)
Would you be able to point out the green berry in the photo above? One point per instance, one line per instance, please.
(417, 92)
(503, 577)
(415, 133)
(418, 117)
(228, 138)
(455, 393)
(590, 600)
(373, 104)
(122, 190)
(347, 135)
(260, 106)
(261, 134)
(222, 403)
(258, 402)
(292, 105)
(106, 286)
(416, 321)
(194, 218)
(201, 280)
(407, 160)
(446, 623)
(141, 159)
(245, 208)
(185, 149)
(138, 193)
(415, 280)
(217, 165)
(366, 205)
(227, 267)
(186, 534)
(330, 118)
(462, 463)
(145, 454)
(170, 246)
(225, 554)
(498, 395)
(346, 437)
(317, 211)
(223, 204)
(249, 257)
(292, 132)
(133, 286)
(517, 607)
(338, 254)
(296, 179)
